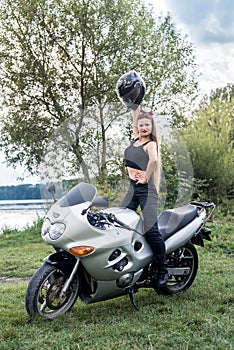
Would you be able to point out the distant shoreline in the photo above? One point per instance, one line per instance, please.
(20, 192)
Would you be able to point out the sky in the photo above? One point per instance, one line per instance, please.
(209, 25)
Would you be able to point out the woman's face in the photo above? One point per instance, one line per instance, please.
(144, 127)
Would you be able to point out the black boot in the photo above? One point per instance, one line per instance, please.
(157, 245)
(162, 278)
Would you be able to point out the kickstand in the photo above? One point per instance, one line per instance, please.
(131, 296)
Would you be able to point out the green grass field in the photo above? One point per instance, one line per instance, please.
(201, 318)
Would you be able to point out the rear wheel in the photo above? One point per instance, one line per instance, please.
(186, 258)
(43, 295)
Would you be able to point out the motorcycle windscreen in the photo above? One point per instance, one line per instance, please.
(81, 193)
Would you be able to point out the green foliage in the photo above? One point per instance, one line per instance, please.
(169, 185)
(225, 93)
(59, 58)
(210, 144)
(6, 230)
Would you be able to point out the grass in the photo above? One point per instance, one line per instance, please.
(200, 318)
(22, 251)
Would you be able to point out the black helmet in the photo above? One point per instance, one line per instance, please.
(130, 89)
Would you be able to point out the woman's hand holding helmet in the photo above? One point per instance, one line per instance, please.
(130, 89)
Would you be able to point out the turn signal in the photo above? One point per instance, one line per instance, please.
(81, 250)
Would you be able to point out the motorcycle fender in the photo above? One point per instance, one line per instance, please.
(199, 238)
(61, 259)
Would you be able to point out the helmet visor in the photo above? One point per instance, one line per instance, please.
(132, 95)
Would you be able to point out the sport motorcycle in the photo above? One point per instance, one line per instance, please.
(102, 253)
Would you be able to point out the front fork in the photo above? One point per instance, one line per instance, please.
(66, 262)
(69, 280)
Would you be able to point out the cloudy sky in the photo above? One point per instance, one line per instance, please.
(210, 26)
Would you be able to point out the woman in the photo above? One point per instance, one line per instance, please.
(142, 159)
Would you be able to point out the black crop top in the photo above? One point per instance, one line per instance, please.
(135, 157)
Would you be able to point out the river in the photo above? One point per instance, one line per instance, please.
(17, 214)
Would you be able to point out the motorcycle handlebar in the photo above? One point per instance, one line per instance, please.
(203, 204)
(99, 217)
(112, 218)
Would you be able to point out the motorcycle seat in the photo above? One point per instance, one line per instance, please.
(173, 220)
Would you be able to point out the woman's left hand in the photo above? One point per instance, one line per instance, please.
(141, 178)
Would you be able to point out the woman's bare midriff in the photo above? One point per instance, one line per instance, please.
(135, 174)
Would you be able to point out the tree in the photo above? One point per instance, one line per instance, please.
(61, 57)
(209, 139)
(225, 93)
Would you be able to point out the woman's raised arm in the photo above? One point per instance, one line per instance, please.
(135, 114)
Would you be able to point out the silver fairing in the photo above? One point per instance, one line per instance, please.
(79, 231)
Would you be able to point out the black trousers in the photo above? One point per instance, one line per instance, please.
(146, 196)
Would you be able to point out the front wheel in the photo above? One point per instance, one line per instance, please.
(184, 257)
(43, 294)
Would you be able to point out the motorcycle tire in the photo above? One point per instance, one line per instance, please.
(43, 292)
(185, 257)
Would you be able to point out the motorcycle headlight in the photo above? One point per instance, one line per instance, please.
(56, 230)
(46, 227)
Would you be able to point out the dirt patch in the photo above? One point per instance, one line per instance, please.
(13, 279)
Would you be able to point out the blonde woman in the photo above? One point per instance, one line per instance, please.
(142, 159)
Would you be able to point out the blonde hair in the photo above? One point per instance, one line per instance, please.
(156, 177)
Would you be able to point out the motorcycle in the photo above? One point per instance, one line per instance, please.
(101, 255)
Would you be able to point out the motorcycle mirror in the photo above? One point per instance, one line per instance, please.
(51, 189)
(100, 201)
